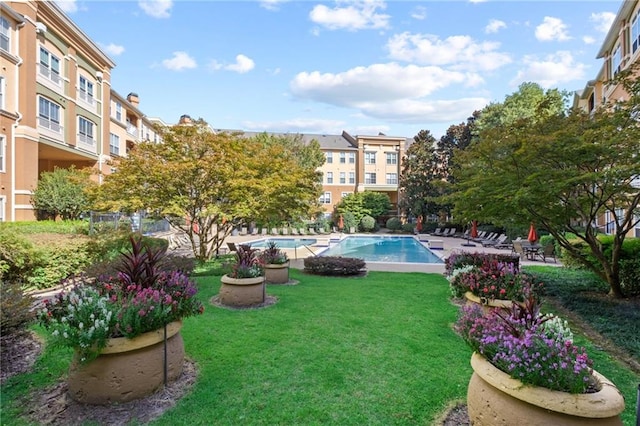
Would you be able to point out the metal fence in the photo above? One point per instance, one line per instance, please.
(136, 222)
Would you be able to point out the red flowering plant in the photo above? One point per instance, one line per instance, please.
(142, 297)
(494, 280)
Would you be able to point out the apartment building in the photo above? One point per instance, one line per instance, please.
(356, 164)
(57, 107)
(619, 51)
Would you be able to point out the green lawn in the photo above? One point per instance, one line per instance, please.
(373, 350)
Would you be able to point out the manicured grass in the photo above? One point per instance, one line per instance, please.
(373, 350)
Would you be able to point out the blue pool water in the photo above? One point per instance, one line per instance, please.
(284, 243)
(383, 249)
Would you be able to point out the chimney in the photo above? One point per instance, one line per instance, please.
(133, 99)
(185, 119)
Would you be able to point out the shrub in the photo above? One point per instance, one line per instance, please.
(408, 228)
(630, 277)
(273, 255)
(334, 265)
(59, 260)
(367, 223)
(15, 308)
(247, 263)
(18, 257)
(458, 260)
(393, 224)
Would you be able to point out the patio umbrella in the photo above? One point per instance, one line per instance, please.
(419, 224)
(340, 223)
(533, 235)
(474, 229)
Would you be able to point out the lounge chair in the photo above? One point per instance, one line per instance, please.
(244, 230)
(264, 232)
(518, 249)
(436, 231)
(294, 231)
(302, 231)
(232, 247)
(254, 231)
(548, 251)
(274, 231)
(285, 231)
(312, 231)
(492, 243)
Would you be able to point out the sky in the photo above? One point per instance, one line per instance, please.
(323, 67)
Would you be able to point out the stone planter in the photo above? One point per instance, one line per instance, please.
(240, 292)
(276, 273)
(128, 369)
(494, 398)
(487, 304)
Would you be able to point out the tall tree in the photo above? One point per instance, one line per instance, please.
(205, 184)
(563, 172)
(420, 176)
(62, 192)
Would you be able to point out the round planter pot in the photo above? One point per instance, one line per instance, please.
(276, 273)
(128, 369)
(487, 304)
(494, 398)
(242, 291)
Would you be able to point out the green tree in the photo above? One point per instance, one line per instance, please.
(561, 171)
(206, 183)
(360, 204)
(62, 192)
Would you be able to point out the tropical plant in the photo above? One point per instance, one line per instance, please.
(247, 264)
(273, 255)
(139, 299)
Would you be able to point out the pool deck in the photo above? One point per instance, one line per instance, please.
(450, 245)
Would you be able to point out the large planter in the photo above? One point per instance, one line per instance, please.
(242, 292)
(128, 369)
(487, 304)
(276, 273)
(494, 398)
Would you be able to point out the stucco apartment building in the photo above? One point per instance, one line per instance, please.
(619, 51)
(57, 107)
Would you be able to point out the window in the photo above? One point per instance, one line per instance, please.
(352, 158)
(85, 131)
(392, 158)
(370, 178)
(392, 178)
(3, 150)
(5, 34)
(50, 66)
(343, 157)
(3, 206)
(616, 61)
(49, 115)
(114, 144)
(352, 177)
(118, 111)
(325, 198)
(329, 177)
(635, 32)
(2, 91)
(85, 90)
(343, 177)
(329, 157)
(344, 194)
(369, 158)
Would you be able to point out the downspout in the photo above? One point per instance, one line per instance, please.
(14, 128)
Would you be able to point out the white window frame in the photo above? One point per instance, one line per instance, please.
(370, 178)
(325, 198)
(329, 177)
(392, 158)
(370, 157)
(343, 178)
(5, 34)
(3, 154)
(118, 111)
(3, 208)
(352, 177)
(343, 157)
(85, 90)
(2, 91)
(352, 158)
(329, 157)
(45, 118)
(47, 70)
(616, 60)
(345, 193)
(634, 34)
(114, 144)
(86, 132)
(392, 178)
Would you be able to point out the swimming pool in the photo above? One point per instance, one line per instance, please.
(383, 249)
(284, 243)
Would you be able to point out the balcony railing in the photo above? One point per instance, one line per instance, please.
(51, 75)
(86, 142)
(86, 97)
(132, 130)
(47, 123)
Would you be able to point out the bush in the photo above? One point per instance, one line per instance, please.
(393, 224)
(408, 228)
(107, 246)
(58, 260)
(15, 308)
(334, 265)
(630, 277)
(18, 257)
(367, 223)
(460, 260)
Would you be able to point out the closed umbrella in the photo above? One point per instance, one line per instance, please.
(474, 229)
(533, 235)
(419, 224)
(341, 223)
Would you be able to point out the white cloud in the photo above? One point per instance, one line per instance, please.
(588, 40)
(494, 26)
(552, 29)
(272, 5)
(351, 15)
(554, 69)
(179, 62)
(297, 125)
(68, 6)
(113, 49)
(419, 13)
(425, 111)
(242, 65)
(477, 1)
(156, 8)
(459, 52)
(602, 21)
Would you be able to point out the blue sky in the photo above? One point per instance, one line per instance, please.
(395, 67)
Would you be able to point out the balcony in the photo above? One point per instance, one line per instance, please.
(46, 72)
(132, 130)
(49, 124)
(86, 98)
(86, 143)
